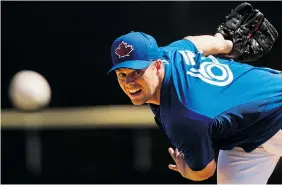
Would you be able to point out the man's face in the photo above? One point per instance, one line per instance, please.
(139, 85)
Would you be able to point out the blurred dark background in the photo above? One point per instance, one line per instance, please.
(69, 43)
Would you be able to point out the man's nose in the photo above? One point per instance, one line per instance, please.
(129, 80)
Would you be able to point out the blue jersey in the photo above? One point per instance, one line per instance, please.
(208, 102)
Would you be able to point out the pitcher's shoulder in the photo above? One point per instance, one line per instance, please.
(182, 44)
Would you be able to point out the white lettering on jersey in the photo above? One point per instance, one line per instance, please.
(205, 73)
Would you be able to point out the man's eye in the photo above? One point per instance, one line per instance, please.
(121, 75)
(137, 73)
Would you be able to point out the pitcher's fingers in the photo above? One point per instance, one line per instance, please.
(178, 154)
(173, 167)
(172, 153)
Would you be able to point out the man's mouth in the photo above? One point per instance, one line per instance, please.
(134, 92)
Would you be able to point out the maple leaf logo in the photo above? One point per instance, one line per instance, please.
(123, 50)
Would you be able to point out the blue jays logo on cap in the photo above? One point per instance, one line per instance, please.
(135, 50)
(123, 50)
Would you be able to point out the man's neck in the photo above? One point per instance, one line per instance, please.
(156, 99)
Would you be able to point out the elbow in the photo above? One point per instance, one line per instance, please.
(205, 173)
(199, 176)
(206, 176)
(203, 176)
(209, 170)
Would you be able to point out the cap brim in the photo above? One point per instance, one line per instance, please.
(132, 64)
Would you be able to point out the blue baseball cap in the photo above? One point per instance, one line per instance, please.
(135, 50)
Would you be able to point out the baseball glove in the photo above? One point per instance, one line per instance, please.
(252, 35)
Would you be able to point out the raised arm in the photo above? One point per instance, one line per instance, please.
(211, 45)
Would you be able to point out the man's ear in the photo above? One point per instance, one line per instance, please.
(158, 64)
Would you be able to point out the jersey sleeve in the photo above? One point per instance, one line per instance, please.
(184, 45)
(192, 136)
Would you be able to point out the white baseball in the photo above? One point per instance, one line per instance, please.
(29, 91)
